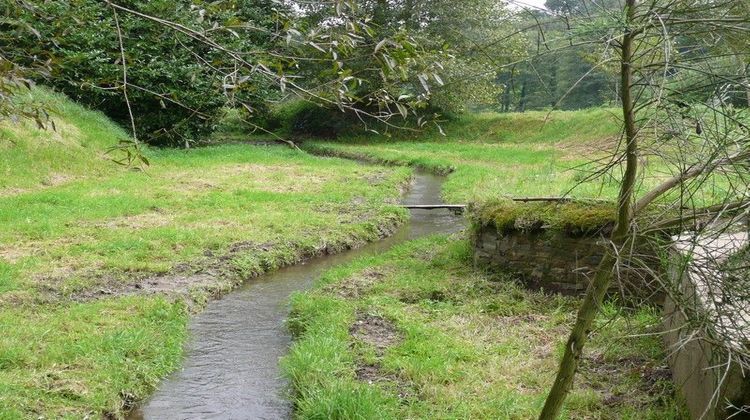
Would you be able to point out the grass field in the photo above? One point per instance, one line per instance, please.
(94, 258)
(419, 333)
(498, 155)
(101, 267)
(495, 156)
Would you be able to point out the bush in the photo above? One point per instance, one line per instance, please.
(305, 119)
(175, 97)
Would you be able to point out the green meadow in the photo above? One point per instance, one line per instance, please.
(101, 267)
(81, 240)
(490, 155)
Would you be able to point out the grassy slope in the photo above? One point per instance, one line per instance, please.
(71, 222)
(31, 159)
(461, 345)
(499, 155)
(496, 156)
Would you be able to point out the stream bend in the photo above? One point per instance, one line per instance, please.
(231, 360)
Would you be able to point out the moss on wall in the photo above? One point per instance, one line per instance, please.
(575, 218)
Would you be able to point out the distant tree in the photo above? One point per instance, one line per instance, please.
(557, 73)
(452, 37)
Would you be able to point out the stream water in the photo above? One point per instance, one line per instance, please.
(231, 367)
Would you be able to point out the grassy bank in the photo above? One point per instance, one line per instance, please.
(418, 333)
(498, 155)
(95, 259)
(492, 157)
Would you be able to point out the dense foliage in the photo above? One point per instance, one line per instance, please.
(457, 66)
(174, 81)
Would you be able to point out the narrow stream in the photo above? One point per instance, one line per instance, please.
(231, 366)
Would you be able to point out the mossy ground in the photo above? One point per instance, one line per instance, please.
(574, 218)
(75, 229)
(419, 333)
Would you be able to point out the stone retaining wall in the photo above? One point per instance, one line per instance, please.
(713, 385)
(549, 260)
(555, 261)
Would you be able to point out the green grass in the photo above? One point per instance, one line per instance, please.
(462, 344)
(32, 159)
(188, 203)
(72, 224)
(86, 359)
(491, 156)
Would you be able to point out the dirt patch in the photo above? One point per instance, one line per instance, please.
(574, 150)
(13, 191)
(357, 285)
(108, 192)
(269, 178)
(54, 180)
(14, 254)
(170, 284)
(602, 375)
(153, 219)
(381, 334)
(211, 275)
(376, 178)
(375, 331)
(371, 373)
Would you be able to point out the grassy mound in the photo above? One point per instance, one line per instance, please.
(574, 218)
(31, 158)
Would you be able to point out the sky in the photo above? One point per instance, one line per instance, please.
(528, 3)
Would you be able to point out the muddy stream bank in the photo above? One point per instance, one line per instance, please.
(231, 360)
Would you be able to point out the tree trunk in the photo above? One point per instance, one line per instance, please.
(598, 287)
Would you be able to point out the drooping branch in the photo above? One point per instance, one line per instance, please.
(710, 211)
(690, 173)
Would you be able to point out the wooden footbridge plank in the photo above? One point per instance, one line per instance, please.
(434, 206)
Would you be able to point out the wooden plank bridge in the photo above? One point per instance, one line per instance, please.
(455, 208)
(460, 208)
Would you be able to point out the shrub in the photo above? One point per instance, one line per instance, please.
(175, 96)
(305, 119)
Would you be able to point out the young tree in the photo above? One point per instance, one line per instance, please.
(659, 46)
